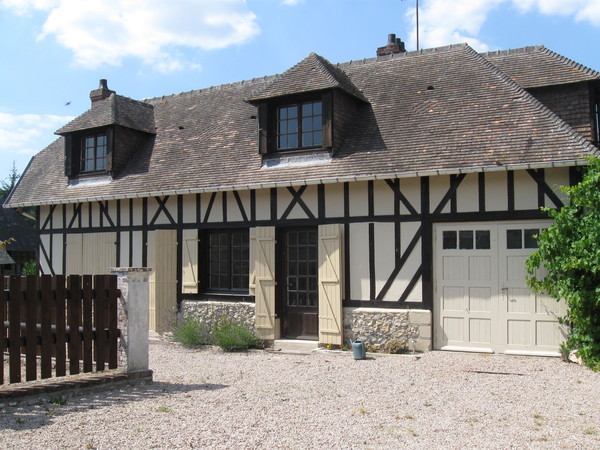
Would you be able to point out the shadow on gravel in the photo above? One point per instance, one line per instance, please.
(30, 417)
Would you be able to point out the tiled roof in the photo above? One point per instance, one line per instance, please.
(536, 66)
(5, 257)
(311, 74)
(445, 110)
(116, 110)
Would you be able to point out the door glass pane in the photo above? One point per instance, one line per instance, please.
(531, 238)
(514, 239)
(465, 240)
(482, 239)
(449, 240)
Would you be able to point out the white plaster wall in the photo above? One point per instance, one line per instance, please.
(124, 251)
(137, 212)
(525, 191)
(309, 197)
(137, 249)
(45, 242)
(57, 253)
(467, 194)
(438, 186)
(556, 178)
(233, 210)
(359, 199)
(334, 200)
(384, 198)
(411, 189)
(359, 261)
(263, 204)
(162, 218)
(496, 193)
(189, 208)
(384, 253)
(216, 212)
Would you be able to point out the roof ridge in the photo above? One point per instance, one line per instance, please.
(511, 51)
(211, 88)
(409, 54)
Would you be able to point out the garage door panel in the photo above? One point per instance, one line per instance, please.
(454, 268)
(518, 333)
(454, 299)
(454, 329)
(515, 268)
(480, 268)
(548, 333)
(548, 305)
(480, 331)
(519, 301)
(480, 299)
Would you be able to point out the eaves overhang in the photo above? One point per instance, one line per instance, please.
(312, 181)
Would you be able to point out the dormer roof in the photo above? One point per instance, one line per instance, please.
(114, 110)
(313, 73)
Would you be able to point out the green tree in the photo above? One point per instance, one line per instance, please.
(9, 182)
(569, 251)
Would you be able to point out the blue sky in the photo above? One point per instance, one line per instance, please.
(54, 52)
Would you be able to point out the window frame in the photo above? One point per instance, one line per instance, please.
(206, 286)
(299, 120)
(75, 148)
(95, 159)
(268, 114)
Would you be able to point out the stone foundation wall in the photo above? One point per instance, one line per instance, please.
(211, 311)
(376, 326)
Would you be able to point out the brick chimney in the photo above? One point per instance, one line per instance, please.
(102, 93)
(394, 45)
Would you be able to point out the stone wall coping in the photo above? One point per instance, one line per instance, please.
(215, 302)
(130, 269)
(363, 309)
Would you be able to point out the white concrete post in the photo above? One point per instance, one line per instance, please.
(133, 311)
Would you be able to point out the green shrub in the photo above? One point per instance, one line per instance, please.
(29, 268)
(395, 346)
(232, 337)
(191, 332)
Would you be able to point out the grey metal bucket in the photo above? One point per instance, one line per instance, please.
(359, 350)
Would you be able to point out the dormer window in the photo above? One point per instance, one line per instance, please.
(296, 123)
(300, 126)
(94, 152)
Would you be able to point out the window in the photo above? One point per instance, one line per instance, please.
(228, 257)
(300, 126)
(516, 239)
(466, 240)
(93, 153)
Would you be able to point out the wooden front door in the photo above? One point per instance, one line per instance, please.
(299, 290)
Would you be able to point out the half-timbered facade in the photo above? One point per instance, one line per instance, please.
(393, 196)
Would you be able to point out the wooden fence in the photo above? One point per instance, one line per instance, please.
(58, 321)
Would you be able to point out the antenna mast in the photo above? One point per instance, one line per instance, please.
(417, 8)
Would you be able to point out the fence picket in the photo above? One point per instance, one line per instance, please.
(46, 320)
(74, 319)
(3, 304)
(59, 309)
(14, 328)
(31, 315)
(88, 324)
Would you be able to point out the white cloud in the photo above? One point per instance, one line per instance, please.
(19, 133)
(443, 22)
(107, 31)
(581, 10)
(291, 2)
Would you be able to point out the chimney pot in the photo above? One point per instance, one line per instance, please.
(394, 45)
(100, 94)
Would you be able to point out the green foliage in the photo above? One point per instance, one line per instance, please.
(395, 346)
(191, 332)
(9, 183)
(29, 268)
(232, 337)
(569, 251)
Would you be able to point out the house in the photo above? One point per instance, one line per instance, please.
(21, 249)
(395, 196)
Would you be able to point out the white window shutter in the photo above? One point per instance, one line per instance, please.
(262, 279)
(190, 262)
(331, 325)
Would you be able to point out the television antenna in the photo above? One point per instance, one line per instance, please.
(417, 21)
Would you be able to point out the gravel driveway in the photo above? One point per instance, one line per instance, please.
(205, 398)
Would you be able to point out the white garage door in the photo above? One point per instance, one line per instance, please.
(482, 302)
